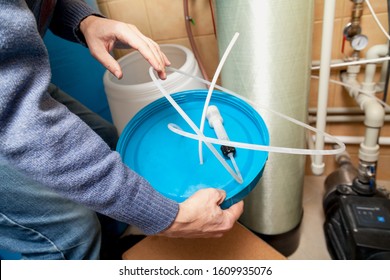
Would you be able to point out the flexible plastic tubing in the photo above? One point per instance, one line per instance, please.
(211, 88)
(285, 150)
(234, 163)
(201, 137)
(366, 93)
(357, 62)
(377, 20)
(176, 129)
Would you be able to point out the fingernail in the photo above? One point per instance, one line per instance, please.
(118, 74)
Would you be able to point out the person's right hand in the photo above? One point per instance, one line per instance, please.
(102, 34)
(200, 216)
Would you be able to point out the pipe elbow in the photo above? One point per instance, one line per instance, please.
(374, 113)
(377, 51)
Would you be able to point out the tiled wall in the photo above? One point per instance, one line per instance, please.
(163, 21)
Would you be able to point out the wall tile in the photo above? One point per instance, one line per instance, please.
(319, 9)
(133, 12)
(166, 19)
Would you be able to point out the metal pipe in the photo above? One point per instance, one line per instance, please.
(357, 12)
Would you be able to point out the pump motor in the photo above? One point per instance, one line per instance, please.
(357, 226)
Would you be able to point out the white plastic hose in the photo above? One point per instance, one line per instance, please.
(357, 62)
(377, 20)
(211, 88)
(357, 89)
(199, 136)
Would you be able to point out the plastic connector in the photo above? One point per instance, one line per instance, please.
(216, 122)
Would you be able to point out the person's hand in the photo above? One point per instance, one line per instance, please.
(200, 216)
(102, 34)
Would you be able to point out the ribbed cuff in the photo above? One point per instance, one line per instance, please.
(72, 13)
(153, 212)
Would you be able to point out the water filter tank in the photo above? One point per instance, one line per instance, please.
(270, 64)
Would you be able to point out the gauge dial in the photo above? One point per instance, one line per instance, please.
(359, 42)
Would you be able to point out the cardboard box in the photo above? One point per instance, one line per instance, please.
(237, 244)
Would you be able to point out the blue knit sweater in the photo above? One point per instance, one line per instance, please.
(41, 138)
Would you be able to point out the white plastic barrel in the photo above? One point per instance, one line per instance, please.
(135, 90)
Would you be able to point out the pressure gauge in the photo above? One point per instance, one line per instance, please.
(359, 42)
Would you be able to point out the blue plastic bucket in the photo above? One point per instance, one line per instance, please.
(170, 162)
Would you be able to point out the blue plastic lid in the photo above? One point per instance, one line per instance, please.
(170, 162)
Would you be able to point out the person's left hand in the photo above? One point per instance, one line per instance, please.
(200, 216)
(102, 34)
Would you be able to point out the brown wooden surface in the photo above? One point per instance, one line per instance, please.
(237, 244)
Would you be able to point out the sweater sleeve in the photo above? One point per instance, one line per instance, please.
(40, 137)
(67, 17)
